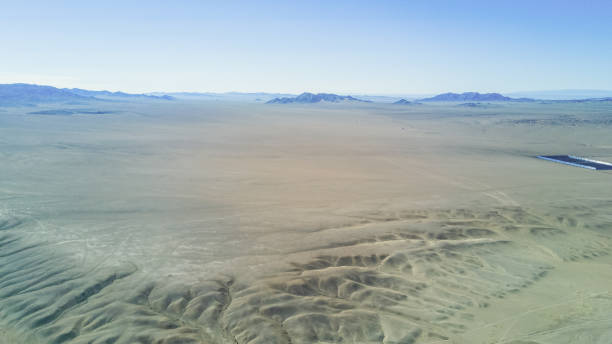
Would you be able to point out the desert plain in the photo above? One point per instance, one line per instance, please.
(227, 222)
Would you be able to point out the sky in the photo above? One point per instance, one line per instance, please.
(357, 47)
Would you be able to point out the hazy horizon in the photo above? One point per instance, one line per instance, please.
(540, 94)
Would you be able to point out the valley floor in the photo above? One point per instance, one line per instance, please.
(196, 222)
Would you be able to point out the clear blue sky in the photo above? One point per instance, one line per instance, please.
(392, 47)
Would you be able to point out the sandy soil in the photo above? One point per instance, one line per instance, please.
(234, 223)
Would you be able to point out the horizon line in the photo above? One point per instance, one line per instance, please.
(360, 93)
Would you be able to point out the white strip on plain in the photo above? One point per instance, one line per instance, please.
(591, 160)
(566, 163)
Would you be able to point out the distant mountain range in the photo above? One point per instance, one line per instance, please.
(468, 96)
(88, 93)
(28, 94)
(475, 97)
(225, 96)
(308, 98)
(17, 94)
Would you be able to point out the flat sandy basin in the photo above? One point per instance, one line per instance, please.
(205, 222)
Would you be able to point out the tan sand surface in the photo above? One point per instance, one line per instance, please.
(209, 222)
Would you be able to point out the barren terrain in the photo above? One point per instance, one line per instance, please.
(220, 222)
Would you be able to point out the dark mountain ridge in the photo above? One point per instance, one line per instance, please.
(309, 98)
(405, 102)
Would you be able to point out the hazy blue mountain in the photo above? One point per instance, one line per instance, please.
(467, 96)
(472, 99)
(315, 98)
(406, 102)
(89, 93)
(226, 96)
(27, 94)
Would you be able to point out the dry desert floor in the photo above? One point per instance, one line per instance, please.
(220, 222)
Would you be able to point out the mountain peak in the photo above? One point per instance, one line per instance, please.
(405, 102)
(309, 98)
(467, 96)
